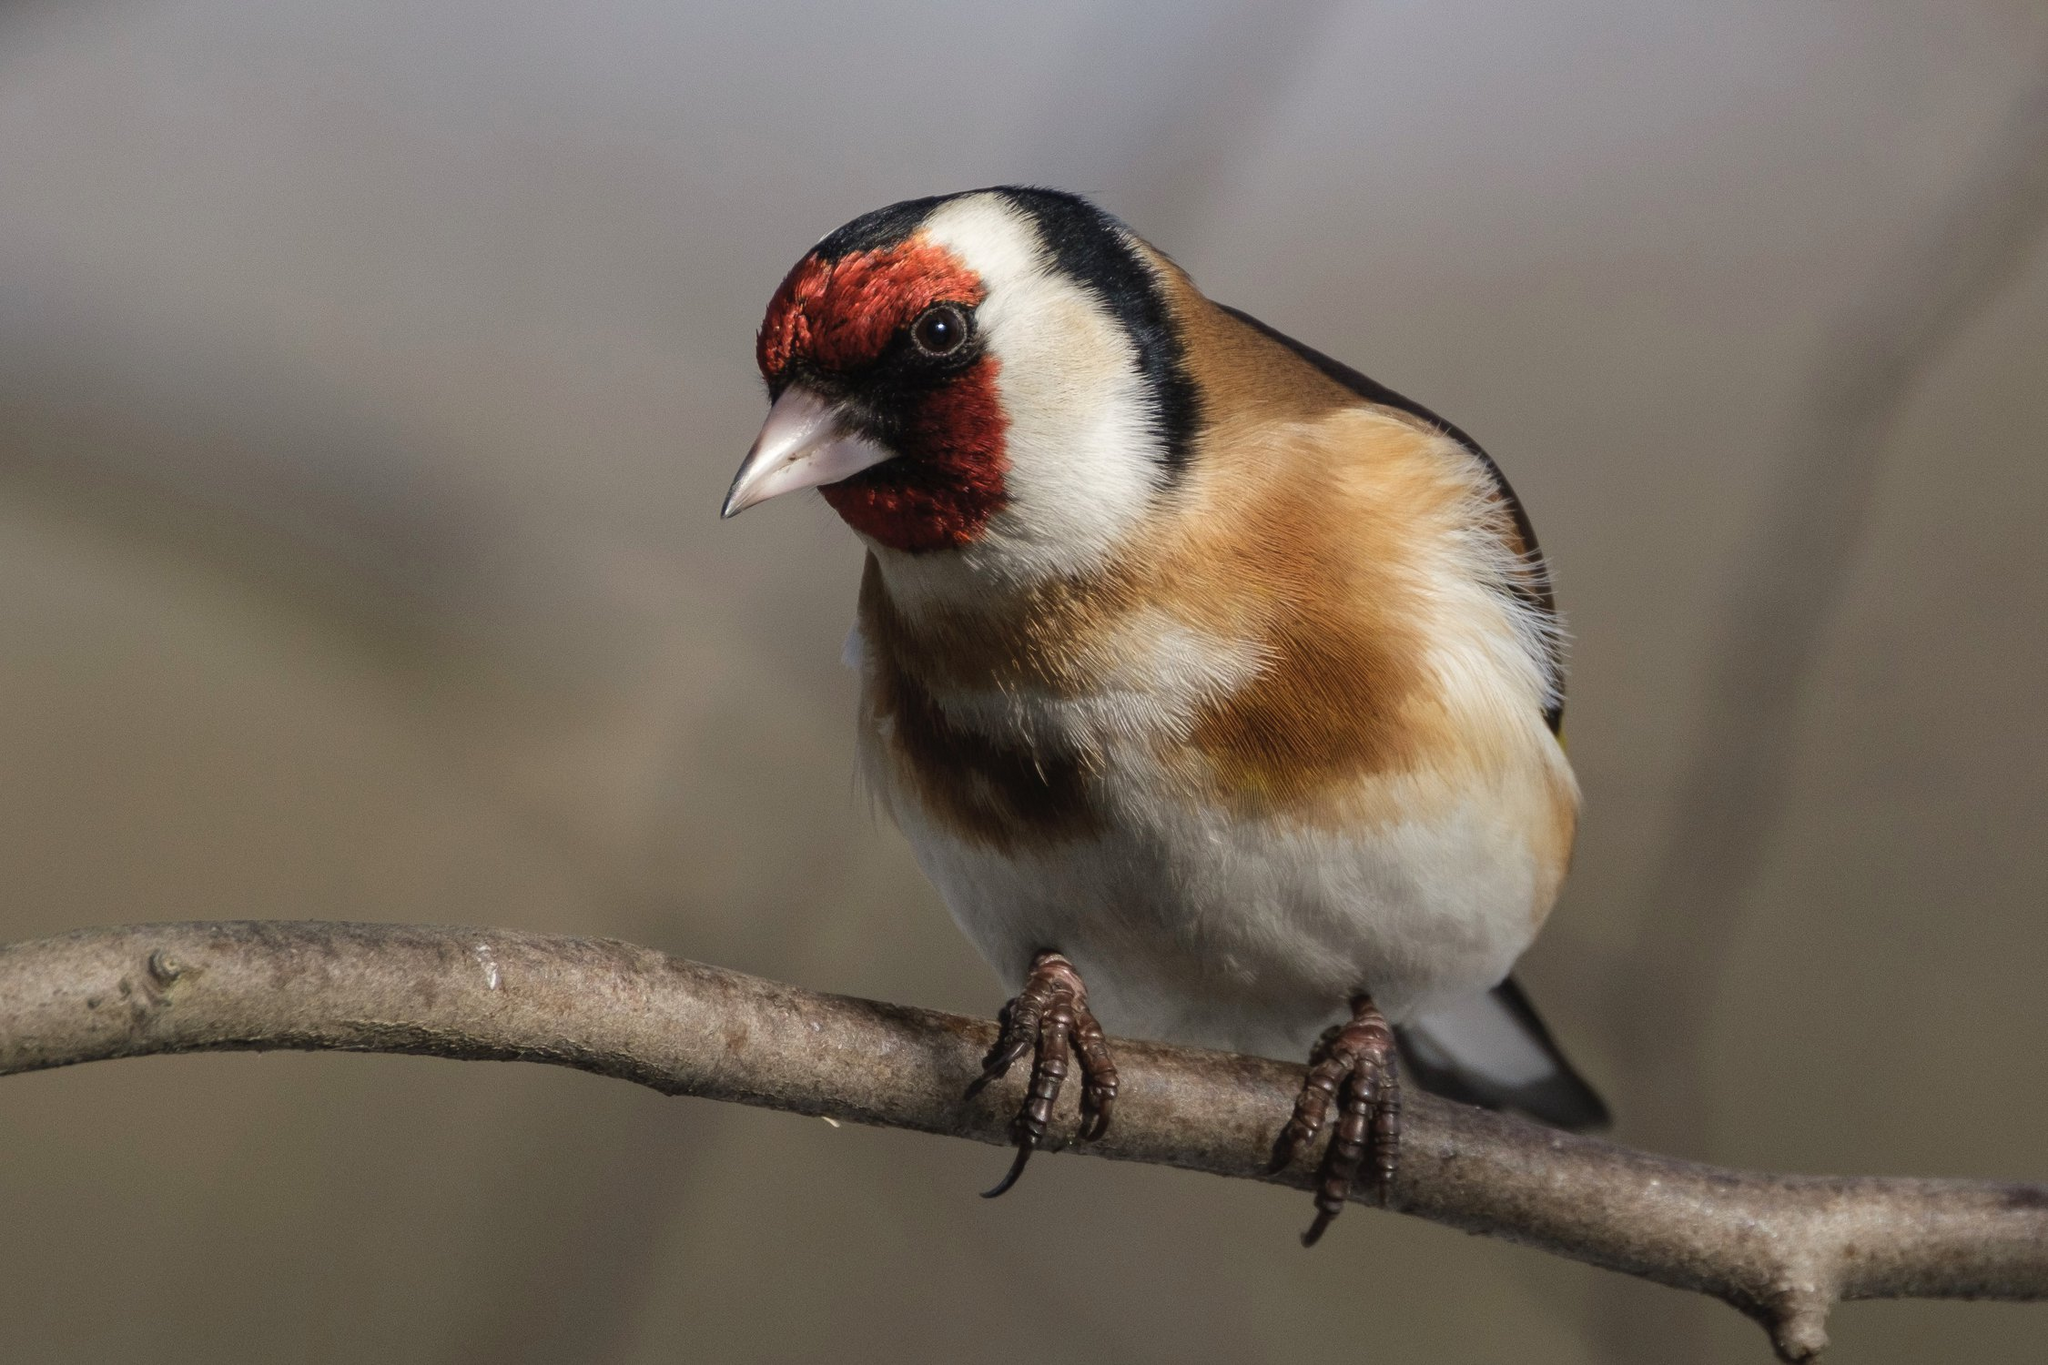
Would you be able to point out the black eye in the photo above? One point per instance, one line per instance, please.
(940, 330)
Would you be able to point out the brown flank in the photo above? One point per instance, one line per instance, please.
(999, 794)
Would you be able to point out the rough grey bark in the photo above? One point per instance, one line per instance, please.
(1783, 1249)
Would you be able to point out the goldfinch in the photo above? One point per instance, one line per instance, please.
(1215, 686)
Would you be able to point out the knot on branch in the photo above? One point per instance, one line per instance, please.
(1795, 1312)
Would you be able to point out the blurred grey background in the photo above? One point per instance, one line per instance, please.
(369, 377)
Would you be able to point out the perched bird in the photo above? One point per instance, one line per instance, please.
(1215, 686)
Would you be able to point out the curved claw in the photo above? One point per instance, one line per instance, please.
(1094, 1123)
(1298, 1132)
(1001, 1058)
(1009, 1056)
(1318, 1228)
(987, 1077)
(1002, 1187)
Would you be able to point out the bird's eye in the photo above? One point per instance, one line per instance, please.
(940, 330)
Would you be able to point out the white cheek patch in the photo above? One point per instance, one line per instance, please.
(1083, 453)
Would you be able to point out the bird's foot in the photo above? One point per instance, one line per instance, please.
(1355, 1067)
(1050, 1019)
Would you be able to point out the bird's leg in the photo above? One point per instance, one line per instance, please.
(1050, 1019)
(1354, 1066)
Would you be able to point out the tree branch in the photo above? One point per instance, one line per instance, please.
(1783, 1249)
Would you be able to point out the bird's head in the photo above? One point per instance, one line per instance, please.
(994, 376)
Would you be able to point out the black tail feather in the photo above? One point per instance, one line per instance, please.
(1496, 1052)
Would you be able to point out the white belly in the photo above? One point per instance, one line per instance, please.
(1197, 926)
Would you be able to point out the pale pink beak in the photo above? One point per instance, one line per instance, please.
(804, 443)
